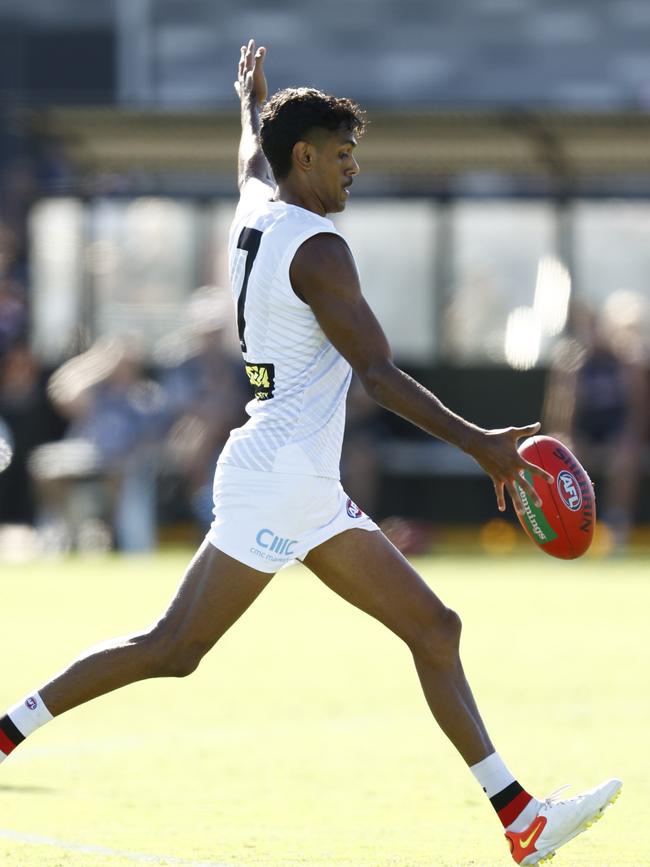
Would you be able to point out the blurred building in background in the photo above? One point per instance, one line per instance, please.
(505, 183)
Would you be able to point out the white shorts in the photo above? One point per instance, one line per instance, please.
(266, 520)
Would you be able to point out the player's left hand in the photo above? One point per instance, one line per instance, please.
(497, 454)
(251, 80)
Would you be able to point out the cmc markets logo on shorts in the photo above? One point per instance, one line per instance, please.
(270, 541)
(31, 703)
(569, 490)
(352, 509)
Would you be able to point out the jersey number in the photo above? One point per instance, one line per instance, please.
(249, 240)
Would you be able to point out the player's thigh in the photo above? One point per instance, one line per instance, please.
(367, 570)
(215, 591)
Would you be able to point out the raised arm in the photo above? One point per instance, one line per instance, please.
(252, 91)
(324, 274)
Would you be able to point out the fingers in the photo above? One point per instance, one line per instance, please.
(501, 500)
(538, 471)
(511, 486)
(516, 499)
(528, 431)
(511, 471)
(249, 57)
(523, 482)
(246, 59)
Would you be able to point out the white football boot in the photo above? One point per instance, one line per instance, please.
(558, 821)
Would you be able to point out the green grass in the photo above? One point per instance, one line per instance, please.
(303, 739)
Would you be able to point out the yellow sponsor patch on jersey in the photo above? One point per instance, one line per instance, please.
(262, 379)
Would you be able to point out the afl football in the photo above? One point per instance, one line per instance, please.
(563, 526)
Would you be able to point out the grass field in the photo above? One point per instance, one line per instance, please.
(303, 739)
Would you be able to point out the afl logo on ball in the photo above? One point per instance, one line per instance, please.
(569, 490)
(353, 510)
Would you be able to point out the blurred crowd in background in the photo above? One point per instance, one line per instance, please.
(105, 443)
(98, 451)
(117, 441)
(506, 252)
(88, 449)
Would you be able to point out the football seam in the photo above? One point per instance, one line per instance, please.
(557, 508)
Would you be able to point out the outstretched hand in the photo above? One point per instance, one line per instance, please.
(497, 454)
(251, 80)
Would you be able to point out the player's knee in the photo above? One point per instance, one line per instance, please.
(170, 656)
(439, 641)
(184, 659)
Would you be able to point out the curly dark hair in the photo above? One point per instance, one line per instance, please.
(292, 113)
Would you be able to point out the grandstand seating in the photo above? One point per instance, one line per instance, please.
(416, 53)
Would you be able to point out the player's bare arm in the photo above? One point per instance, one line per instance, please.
(323, 273)
(252, 90)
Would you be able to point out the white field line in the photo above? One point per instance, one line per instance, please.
(136, 857)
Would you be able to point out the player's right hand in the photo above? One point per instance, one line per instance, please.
(251, 80)
(496, 452)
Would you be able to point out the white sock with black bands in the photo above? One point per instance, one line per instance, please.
(21, 721)
(512, 804)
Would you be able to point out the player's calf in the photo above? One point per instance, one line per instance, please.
(159, 652)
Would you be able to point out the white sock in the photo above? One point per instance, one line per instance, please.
(492, 775)
(495, 778)
(30, 714)
(21, 721)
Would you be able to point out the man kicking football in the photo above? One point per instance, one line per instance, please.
(304, 326)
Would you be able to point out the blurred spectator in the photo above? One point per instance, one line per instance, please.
(20, 188)
(8, 249)
(29, 421)
(13, 313)
(106, 464)
(13, 309)
(597, 402)
(206, 391)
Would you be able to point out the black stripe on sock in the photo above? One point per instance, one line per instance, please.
(503, 798)
(15, 736)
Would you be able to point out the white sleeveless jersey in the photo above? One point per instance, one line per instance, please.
(300, 380)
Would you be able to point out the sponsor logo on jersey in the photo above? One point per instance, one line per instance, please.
(262, 379)
(31, 703)
(352, 509)
(569, 490)
(270, 541)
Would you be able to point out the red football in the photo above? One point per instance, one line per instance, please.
(564, 524)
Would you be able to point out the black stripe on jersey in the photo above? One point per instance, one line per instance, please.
(10, 730)
(249, 240)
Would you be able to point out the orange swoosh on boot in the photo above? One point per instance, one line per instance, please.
(523, 843)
